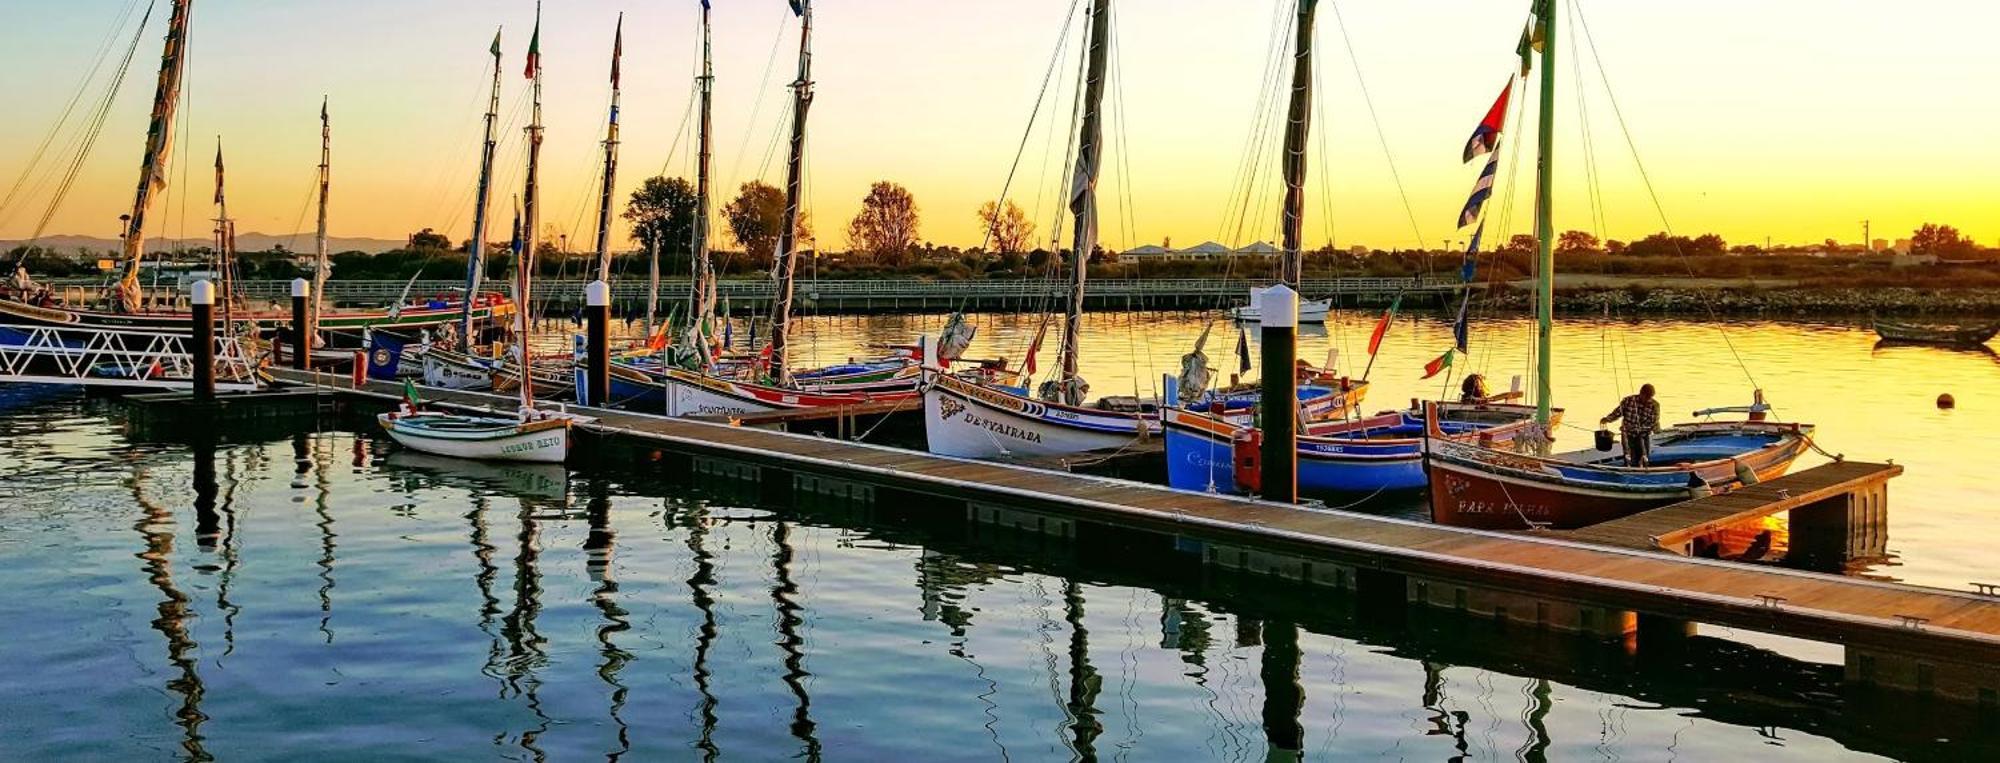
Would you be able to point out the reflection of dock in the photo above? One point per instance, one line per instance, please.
(1901, 636)
(1837, 507)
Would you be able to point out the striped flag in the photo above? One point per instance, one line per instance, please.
(1460, 330)
(1482, 189)
(1486, 136)
(1438, 364)
(535, 46)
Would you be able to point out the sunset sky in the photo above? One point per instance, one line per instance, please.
(1789, 119)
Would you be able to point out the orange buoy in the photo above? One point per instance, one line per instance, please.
(1945, 402)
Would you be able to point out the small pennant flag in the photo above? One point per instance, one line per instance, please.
(1482, 189)
(1382, 326)
(1439, 364)
(496, 43)
(218, 171)
(535, 46)
(798, 7)
(410, 393)
(617, 50)
(1531, 42)
(1486, 136)
(1034, 348)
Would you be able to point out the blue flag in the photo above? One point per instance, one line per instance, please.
(384, 354)
(1460, 331)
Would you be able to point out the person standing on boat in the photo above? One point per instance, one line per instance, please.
(1639, 416)
(1473, 390)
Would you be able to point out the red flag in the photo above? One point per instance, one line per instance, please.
(1382, 326)
(1028, 366)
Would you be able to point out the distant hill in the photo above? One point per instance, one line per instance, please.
(247, 242)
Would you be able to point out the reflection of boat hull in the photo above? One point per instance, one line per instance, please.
(524, 478)
(1379, 453)
(1892, 331)
(1488, 489)
(480, 438)
(1310, 311)
(970, 421)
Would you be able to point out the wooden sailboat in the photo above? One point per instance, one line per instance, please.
(765, 383)
(530, 435)
(1483, 485)
(1373, 454)
(967, 419)
(130, 308)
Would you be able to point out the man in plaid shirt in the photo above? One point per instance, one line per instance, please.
(1640, 416)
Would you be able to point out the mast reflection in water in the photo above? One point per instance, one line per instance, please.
(484, 612)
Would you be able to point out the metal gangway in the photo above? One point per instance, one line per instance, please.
(103, 357)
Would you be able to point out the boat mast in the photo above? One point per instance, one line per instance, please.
(1083, 196)
(475, 255)
(530, 215)
(610, 161)
(224, 241)
(1545, 258)
(1298, 127)
(311, 332)
(159, 149)
(699, 304)
(787, 260)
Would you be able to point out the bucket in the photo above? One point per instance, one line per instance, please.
(1604, 440)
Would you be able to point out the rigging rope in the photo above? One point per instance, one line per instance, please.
(102, 55)
(1381, 134)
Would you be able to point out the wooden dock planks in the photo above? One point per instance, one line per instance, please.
(1670, 526)
(1960, 626)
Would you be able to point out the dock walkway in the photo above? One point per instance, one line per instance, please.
(1879, 618)
(1673, 527)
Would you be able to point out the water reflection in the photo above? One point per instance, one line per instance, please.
(600, 549)
(588, 657)
(155, 526)
(784, 595)
(699, 583)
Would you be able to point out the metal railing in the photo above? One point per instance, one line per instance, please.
(756, 289)
(32, 354)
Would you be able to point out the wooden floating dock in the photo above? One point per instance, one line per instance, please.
(1844, 496)
(1940, 642)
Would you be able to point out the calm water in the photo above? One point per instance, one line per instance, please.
(324, 595)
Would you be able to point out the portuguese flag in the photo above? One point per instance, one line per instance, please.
(535, 46)
(1438, 364)
(1382, 326)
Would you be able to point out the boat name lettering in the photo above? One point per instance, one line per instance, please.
(535, 444)
(1003, 428)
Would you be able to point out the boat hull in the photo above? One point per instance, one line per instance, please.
(450, 370)
(1961, 336)
(544, 442)
(968, 421)
(1310, 311)
(1345, 457)
(1486, 489)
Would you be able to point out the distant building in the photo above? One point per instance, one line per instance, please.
(1879, 245)
(1902, 246)
(1903, 260)
(1145, 253)
(1261, 249)
(1207, 250)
